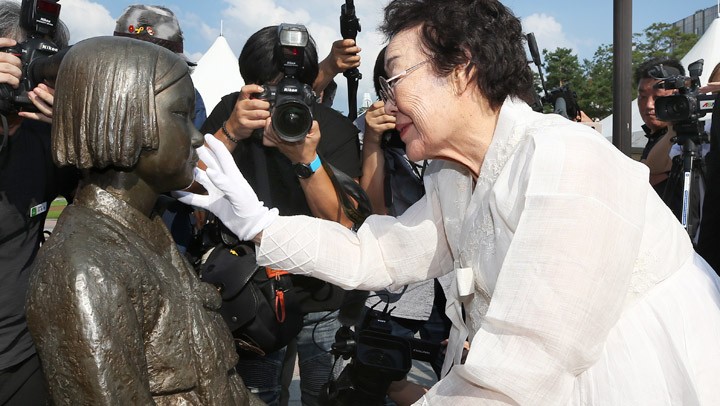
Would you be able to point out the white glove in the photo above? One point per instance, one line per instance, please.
(229, 196)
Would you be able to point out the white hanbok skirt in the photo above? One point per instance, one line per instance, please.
(665, 349)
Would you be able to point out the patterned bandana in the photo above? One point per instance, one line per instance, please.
(151, 23)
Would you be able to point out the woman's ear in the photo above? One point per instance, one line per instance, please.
(461, 77)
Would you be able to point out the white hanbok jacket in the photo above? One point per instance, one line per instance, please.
(578, 283)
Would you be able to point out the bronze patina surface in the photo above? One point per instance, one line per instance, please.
(117, 313)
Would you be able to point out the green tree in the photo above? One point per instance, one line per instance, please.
(563, 68)
(661, 39)
(596, 97)
(593, 84)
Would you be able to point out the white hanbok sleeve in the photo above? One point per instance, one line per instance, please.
(385, 252)
(577, 230)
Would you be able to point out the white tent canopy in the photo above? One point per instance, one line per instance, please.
(707, 48)
(217, 73)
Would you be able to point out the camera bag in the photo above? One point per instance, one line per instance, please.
(259, 304)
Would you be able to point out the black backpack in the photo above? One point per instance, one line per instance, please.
(259, 305)
(264, 308)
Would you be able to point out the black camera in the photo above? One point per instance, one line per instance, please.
(290, 100)
(39, 55)
(564, 101)
(378, 359)
(685, 108)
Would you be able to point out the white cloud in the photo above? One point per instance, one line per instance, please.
(258, 14)
(244, 17)
(241, 18)
(548, 32)
(86, 19)
(194, 26)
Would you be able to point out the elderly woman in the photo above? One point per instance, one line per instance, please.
(117, 314)
(577, 283)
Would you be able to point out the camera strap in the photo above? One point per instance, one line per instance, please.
(6, 136)
(344, 186)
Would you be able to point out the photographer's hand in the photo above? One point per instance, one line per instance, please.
(249, 114)
(373, 167)
(658, 159)
(42, 97)
(583, 118)
(405, 392)
(343, 56)
(376, 123)
(10, 65)
(319, 190)
(302, 151)
(710, 87)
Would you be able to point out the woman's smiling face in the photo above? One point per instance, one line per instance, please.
(422, 102)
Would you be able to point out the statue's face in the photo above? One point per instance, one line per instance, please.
(170, 167)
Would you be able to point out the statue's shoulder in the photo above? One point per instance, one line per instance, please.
(85, 242)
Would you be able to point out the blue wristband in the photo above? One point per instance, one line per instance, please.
(315, 164)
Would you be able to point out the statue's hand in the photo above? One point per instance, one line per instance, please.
(229, 196)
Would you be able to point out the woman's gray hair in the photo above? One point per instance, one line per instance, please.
(104, 111)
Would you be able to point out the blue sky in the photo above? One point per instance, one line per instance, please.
(582, 25)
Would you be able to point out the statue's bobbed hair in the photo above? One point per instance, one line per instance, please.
(104, 109)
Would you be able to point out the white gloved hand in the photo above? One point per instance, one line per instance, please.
(229, 196)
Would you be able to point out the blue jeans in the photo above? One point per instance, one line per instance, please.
(317, 364)
(263, 374)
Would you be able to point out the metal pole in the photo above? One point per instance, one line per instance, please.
(622, 73)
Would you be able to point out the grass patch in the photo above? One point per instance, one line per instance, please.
(56, 207)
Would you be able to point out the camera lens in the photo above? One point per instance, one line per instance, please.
(672, 108)
(292, 120)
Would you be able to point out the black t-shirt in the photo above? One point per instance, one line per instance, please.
(271, 175)
(29, 182)
(653, 138)
(709, 240)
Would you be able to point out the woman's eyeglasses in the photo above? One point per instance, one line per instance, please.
(387, 92)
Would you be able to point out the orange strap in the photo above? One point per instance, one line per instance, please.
(279, 294)
(280, 305)
(275, 273)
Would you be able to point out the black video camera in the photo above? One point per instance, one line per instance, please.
(563, 94)
(685, 108)
(290, 100)
(378, 359)
(39, 55)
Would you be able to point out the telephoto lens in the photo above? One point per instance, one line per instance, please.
(292, 120)
(291, 113)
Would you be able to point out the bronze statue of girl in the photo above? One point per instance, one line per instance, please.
(117, 314)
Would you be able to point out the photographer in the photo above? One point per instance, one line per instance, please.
(288, 176)
(684, 137)
(655, 153)
(160, 26)
(29, 182)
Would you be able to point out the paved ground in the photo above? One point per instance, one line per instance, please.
(420, 373)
